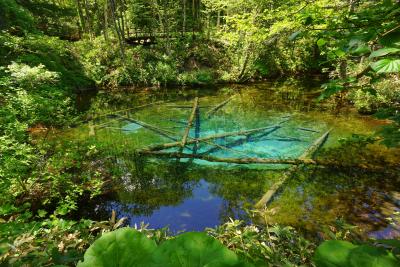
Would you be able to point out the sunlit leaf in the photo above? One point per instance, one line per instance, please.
(128, 247)
(386, 65)
(123, 247)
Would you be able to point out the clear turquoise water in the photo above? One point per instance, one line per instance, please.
(194, 194)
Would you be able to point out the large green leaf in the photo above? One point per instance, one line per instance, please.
(123, 247)
(369, 256)
(333, 253)
(386, 65)
(384, 51)
(194, 250)
(129, 248)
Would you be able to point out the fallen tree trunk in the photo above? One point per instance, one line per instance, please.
(311, 150)
(226, 160)
(152, 128)
(307, 130)
(242, 140)
(178, 121)
(178, 106)
(238, 142)
(288, 161)
(218, 107)
(122, 110)
(210, 137)
(190, 122)
(306, 156)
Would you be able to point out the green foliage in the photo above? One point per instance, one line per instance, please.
(30, 78)
(128, 247)
(386, 65)
(277, 245)
(32, 95)
(337, 253)
(13, 15)
(200, 77)
(26, 241)
(331, 88)
(383, 52)
(54, 18)
(54, 54)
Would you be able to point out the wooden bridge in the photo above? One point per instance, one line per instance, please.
(141, 40)
(146, 39)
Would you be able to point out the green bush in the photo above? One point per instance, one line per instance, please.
(384, 93)
(14, 15)
(56, 55)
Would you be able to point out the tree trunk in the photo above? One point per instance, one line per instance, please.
(166, 25)
(218, 18)
(88, 19)
(122, 22)
(193, 17)
(117, 29)
(81, 17)
(184, 18)
(105, 20)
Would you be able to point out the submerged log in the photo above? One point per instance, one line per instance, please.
(210, 137)
(307, 156)
(238, 142)
(227, 160)
(307, 130)
(152, 128)
(247, 138)
(218, 107)
(190, 122)
(123, 110)
(178, 121)
(178, 106)
(311, 150)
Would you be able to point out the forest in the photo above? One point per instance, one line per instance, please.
(200, 133)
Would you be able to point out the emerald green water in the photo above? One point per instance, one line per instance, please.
(194, 194)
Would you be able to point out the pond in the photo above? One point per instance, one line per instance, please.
(192, 194)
